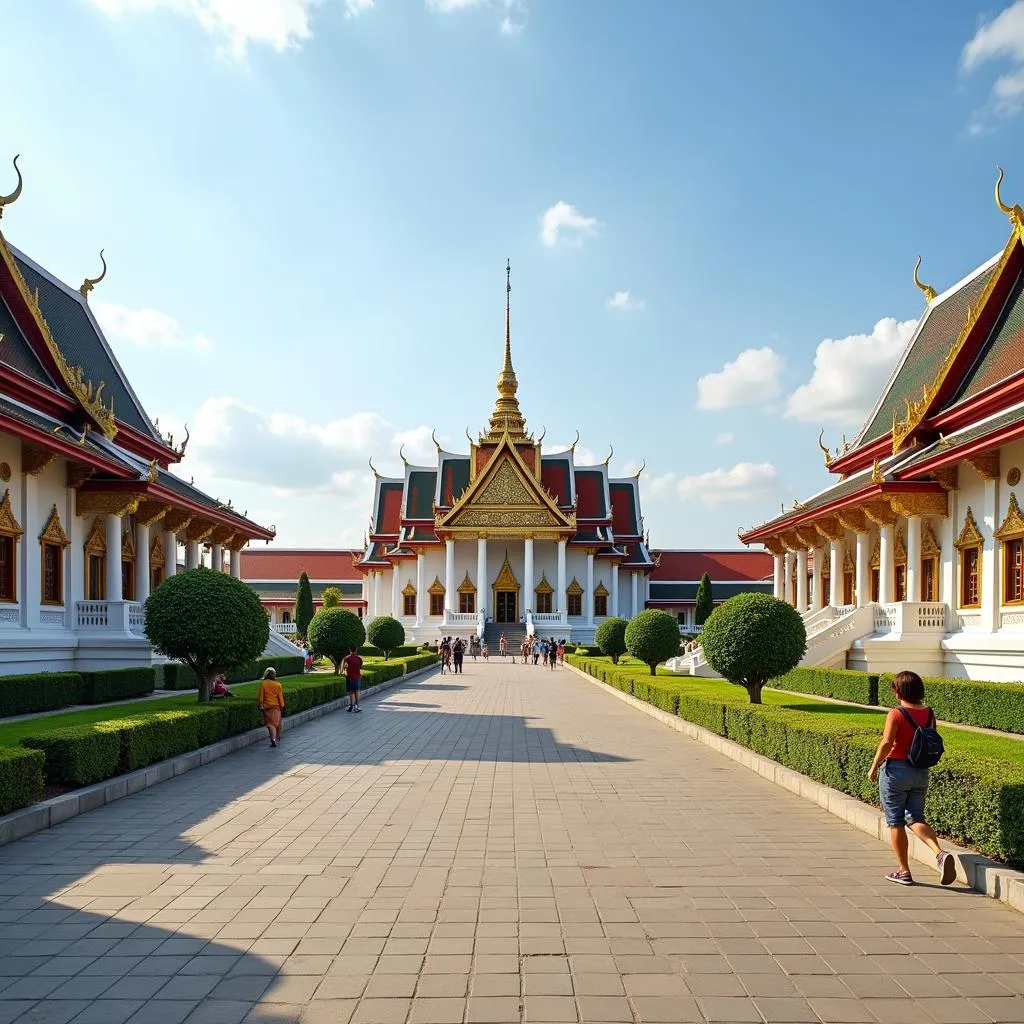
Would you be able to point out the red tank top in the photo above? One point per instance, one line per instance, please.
(904, 732)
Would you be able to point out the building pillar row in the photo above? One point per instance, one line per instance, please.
(420, 587)
(817, 575)
(779, 590)
(528, 581)
(615, 589)
(141, 562)
(561, 578)
(481, 574)
(449, 574)
(236, 563)
(913, 558)
(114, 540)
(863, 569)
(801, 580)
(835, 580)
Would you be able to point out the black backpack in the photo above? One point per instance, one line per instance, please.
(926, 748)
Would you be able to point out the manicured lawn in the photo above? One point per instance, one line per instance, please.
(836, 716)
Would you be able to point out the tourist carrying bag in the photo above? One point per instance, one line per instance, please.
(926, 748)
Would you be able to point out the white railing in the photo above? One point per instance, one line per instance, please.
(910, 617)
(93, 615)
(460, 618)
(887, 618)
(120, 616)
(831, 644)
(136, 618)
(284, 627)
(548, 618)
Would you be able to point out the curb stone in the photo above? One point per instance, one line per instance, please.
(41, 816)
(982, 874)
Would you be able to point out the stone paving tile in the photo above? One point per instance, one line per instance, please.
(505, 847)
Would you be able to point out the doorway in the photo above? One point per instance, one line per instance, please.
(505, 602)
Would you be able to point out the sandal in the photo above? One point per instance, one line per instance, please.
(900, 877)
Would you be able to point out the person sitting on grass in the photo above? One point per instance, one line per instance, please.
(220, 687)
(902, 785)
(271, 702)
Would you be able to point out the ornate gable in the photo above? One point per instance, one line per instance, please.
(53, 532)
(96, 542)
(409, 590)
(544, 587)
(466, 586)
(1013, 524)
(929, 543)
(574, 588)
(506, 577)
(970, 535)
(156, 553)
(9, 526)
(437, 587)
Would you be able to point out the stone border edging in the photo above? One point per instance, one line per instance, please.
(38, 817)
(986, 876)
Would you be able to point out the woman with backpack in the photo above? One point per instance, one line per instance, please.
(910, 746)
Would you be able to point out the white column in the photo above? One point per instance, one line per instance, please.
(236, 563)
(396, 591)
(561, 578)
(836, 574)
(634, 610)
(449, 574)
(789, 564)
(914, 558)
(886, 563)
(217, 557)
(191, 554)
(481, 575)
(615, 588)
(170, 553)
(801, 580)
(114, 541)
(30, 579)
(863, 580)
(141, 562)
(991, 577)
(780, 575)
(589, 595)
(948, 559)
(817, 575)
(376, 591)
(530, 598)
(421, 595)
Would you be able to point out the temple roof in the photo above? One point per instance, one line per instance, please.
(419, 493)
(16, 352)
(625, 503)
(591, 493)
(452, 479)
(722, 566)
(387, 520)
(290, 564)
(557, 477)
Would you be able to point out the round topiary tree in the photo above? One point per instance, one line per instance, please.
(753, 638)
(611, 638)
(704, 604)
(331, 597)
(385, 633)
(209, 620)
(652, 637)
(334, 633)
(303, 606)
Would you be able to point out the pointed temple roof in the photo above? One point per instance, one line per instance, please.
(506, 418)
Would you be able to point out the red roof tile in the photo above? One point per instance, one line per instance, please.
(391, 513)
(554, 475)
(623, 510)
(720, 565)
(590, 494)
(334, 565)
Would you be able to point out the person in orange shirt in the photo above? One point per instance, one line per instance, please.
(271, 702)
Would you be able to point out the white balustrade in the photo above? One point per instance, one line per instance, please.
(910, 617)
(284, 628)
(460, 618)
(136, 618)
(549, 618)
(93, 615)
(122, 616)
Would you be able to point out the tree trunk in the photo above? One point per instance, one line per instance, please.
(754, 689)
(653, 666)
(615, 659)
(205, 687)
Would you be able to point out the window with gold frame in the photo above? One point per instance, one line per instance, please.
(931, 555)
(10, 534)
(128, 566)
(409, 599)
(1011, 537)
(156, 563)
(849, 579)
(52, 542)
(600, 601)
(467, 596)
(574, 598)
(96, 562)
(969, 545)
(436, 592)
(543, 596)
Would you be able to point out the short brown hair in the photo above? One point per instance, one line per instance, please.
(909, 686)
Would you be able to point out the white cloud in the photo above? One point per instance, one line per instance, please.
(849, 373)
(513, 17)
(1000, 38)
(752, 377)
(279, 24)
(353, 8)
(727, 437)
(745, 482)
(146, 328)
(626, 303)
(564, 223)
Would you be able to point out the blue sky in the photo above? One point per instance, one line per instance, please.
(307, 207)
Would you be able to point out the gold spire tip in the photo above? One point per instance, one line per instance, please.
(90, 282)
(8, 199)
(929, 291)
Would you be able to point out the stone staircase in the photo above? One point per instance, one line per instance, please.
(515, 634)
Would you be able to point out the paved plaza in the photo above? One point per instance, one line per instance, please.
(512, 844)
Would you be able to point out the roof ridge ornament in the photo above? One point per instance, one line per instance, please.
(929, 292)
(13, 197)
(611, 452)
(90, 282)
(401, 455)
(824, 449)
(643, 466)
(1015, 213)
(373, 467)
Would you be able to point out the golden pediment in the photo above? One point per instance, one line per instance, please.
(600, 590)
(929, 542)
(437, 587)
(53, 532)
(1013, 524)
(466, 586)
(574, 588)
(156, 553)
(96, 541)
(9, 526)
(506, 577)
(409, 590)
(970, 535)
(544, 587)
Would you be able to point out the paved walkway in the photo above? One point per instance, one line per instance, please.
(509, 845)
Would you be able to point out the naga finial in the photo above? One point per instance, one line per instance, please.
(543, 434)
(611, 452)
(469, 437)
(373, 467)
(184, 444)
(572, 447)
(401, 455)
(929, 291)
(437, 444)
(643, 466)
(90, 282)
(152, 472)
(1015, 213)
(824, 449)
(8, 199)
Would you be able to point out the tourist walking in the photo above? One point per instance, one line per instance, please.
(503, 645)
(536, 651)
(525, 649)
(458, 650)
(446, 655)
(352, 666)
(307, 659)
(561, 652)
(270, 699)
(552, 652)
(909, 747)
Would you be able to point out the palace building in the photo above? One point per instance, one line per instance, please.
(504, 537)
(91, 518)
(914, 557)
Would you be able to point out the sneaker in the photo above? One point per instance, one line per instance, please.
(358, 708)
(946, 863)
(349, 708)
(900, 877)
(272, 743)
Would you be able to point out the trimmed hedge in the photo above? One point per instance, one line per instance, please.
(969, 702)
(976, 801)
(173, 675)
(78, 755)
(838, 683)
(111, 684)
(39, 691)
(404, 651)
(21, 777)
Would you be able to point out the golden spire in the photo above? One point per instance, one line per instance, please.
(7, 200)
(1015, 213)
(90, 282)
(506, 417)
(929, 291)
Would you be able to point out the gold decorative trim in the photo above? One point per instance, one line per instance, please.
(774, 546)
(808, 537)
(929, 291)
(199, 530)
(948, 477)
(824, 450)
(506, 578)
(985, 465)
(920, 504)
(9, 526)
(466, 586)
(53, 532)
(875, 562)
(77, 474)
(543, 587)
(970, 535)
(1013, 524)
(899, 546)
(149, 512)
(13, 196)
(90, 282)
(96, 541)
(436, 588)
(929, 543)
(880, 513)
(177, 520)
(114, 503)
(853, 519)
(409, 590)
(830, 528)
(574, 588)
(1013, 476)
(877, 476)
(157, 559)
(35, 460)
(127, 546)
(848, 563)
(601, 590)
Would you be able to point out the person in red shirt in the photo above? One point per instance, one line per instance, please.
(902, 786)
(352, 666)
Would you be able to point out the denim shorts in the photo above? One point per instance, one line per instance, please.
(352, 685)
(903, 789)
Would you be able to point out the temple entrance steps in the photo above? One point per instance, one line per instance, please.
(515, 634)
(828, 645)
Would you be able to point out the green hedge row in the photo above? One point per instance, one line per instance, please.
(405, 651)
(992, 705)
(39, 691)
(838, 683)
(21, 778)
(978, 802)
(111, 684)
(175, 676)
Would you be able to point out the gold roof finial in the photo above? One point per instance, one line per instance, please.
(611, 452)
(824, 449)
(506, 418)
(643, 466)
(877, 476)
(437, 444)
(929, 291)
(7, 200)
(372, 466)
(90, 282)
(401, 455)
(1015, 213)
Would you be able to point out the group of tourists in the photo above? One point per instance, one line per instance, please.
(452, 651)
(548, 652)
